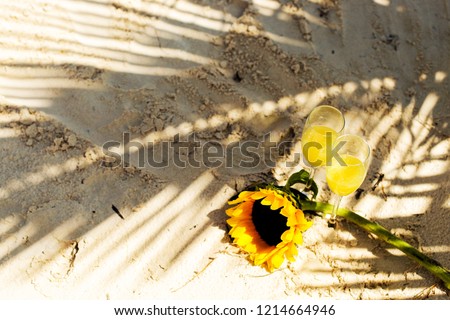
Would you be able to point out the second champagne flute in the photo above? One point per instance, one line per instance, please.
(323, 125)
(348, 168)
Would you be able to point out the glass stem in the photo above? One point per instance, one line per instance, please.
(335, 209)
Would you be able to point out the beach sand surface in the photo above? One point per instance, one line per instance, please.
(110, 109)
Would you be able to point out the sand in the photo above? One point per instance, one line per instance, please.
(84, 217)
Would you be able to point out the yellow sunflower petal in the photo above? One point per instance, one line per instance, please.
(292, 220)
(300, 216)
(305, 226)
(288, 210)
(276, 258)
(277, 203)
(263, 254)
(235, 211)
(251, 247)
(243, 240)
(267, 201)
(288, 235)
(258, 195)
(237, 231)
(242, 196)
(230, 211)
(244, 209)
(298, 237)
(233, 221)
(235, 201)
(291, 252)
(275, 261)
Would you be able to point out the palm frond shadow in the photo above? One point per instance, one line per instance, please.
(71, 237)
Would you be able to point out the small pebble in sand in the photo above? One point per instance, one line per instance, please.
(72, 140)
(57, 141)
(26, 121)
(296, 68)
(31, 131)
(253, 30)
(223, 64)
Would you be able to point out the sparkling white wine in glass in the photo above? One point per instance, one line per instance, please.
(323, 125)
(345, 179)
(348, 167)
(316, 155)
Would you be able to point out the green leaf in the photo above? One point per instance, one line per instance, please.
(313, 187)
(299, 177)
(302, 177)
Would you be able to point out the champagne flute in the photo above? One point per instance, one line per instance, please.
(348, 167)
(323, 125)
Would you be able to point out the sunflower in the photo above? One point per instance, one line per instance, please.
(267, 225)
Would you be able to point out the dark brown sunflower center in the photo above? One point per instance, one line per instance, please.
(270, 224)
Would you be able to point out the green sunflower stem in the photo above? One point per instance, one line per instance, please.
(383, 234)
